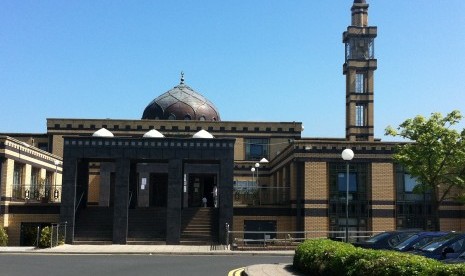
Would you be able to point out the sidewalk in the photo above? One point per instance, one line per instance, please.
(141, 249)
(254, 270)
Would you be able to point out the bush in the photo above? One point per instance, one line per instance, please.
(326, 257)
(45, 237)
(3, 237)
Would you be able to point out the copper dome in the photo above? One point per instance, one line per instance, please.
(181, 103)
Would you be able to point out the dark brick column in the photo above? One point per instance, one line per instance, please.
(68, 196)
(173, 210)
(120, 211)
(225, 197)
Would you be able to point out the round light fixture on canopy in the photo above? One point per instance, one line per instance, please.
(103, 132)
(203, 134)
(153, 133)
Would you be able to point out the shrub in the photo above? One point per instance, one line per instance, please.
(3, 237)
(45, 237)
(326, 257)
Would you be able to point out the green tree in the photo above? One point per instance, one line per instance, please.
(436, 158)
(45, 237)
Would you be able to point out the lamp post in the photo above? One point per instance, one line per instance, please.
(55, 192)
(347, 155)
(257, 165)
(253, 174)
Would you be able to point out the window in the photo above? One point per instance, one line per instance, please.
(17, 180)
(360, 48)
(360, 115)
(256, 149)
(35, 181)
(342, 182)
(187, 117)
(360, 83)
(43, 146)
(48, 183)
(409, 183)
(172, 117)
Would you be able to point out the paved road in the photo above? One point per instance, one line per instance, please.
(115, 265)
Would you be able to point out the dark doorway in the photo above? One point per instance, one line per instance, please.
(158, 189)
(29, 232)
(200, 186)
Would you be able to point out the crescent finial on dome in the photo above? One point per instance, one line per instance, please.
(182, 78)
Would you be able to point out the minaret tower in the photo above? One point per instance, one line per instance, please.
(359, 67)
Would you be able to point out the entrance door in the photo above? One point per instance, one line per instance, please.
(200, 186)
(158, 189)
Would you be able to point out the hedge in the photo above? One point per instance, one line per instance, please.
(327, 257)
(3, 237)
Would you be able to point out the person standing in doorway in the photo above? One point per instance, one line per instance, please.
(204, 202)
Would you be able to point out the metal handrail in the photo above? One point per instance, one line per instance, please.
(130, 197)
(291, 236)
(79, 202)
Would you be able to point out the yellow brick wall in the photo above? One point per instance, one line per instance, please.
(383, 189)
(316, 179)
(94, 189)
(316, 227)
(58, 145)
(316, 188)
(239, 149)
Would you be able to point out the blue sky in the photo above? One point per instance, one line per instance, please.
(261, 60)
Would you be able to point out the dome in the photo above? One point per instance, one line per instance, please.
(153, 134)
(181, 103)
(203, 134)
(103, 132)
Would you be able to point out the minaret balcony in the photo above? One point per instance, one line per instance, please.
(368, 64)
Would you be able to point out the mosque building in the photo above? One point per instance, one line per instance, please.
(180, 174)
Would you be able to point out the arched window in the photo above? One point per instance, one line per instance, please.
(202, 118)
(172, 117)
(187, 117)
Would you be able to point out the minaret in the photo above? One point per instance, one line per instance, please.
(359, 67)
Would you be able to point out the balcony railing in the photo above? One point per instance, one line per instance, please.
(34, 193)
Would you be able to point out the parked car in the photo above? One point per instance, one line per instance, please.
(449, 246)
(418, 240)
(386, 240)
(460, 259)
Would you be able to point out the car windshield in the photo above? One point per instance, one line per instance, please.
(378, 237)
(406, 242)
(438, 243)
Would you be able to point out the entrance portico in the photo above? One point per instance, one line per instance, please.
(167, 173)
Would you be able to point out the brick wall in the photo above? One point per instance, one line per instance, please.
(383, 194)
(316, 190)
(14, 227)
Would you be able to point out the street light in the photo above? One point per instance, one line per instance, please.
(55, 192)
(347, 155)
(253, 174)
(257, 165)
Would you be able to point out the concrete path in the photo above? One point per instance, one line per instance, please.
(254, 270)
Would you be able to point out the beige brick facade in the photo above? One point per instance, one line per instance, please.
(316, 190)
(383, 195)
(15, 220)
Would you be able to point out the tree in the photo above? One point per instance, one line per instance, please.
(436, 158)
